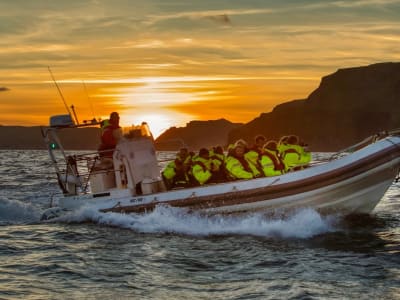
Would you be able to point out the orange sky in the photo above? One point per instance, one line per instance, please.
(168, 62)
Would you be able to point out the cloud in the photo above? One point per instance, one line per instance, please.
(4, 89)
(221, 19)
(221, 15)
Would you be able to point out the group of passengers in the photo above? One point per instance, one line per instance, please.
(264, 158)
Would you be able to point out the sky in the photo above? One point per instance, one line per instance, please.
(167, 62)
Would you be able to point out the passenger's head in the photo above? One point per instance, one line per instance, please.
(114, 118)
(183, 152)
(218, 150)
(293, 140)
(204, 153)
(260, 140)
(283, 140)
(241, 142)
(240, 149)
(271, 145)
(231, 149)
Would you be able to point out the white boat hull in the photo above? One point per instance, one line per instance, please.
(352, 184)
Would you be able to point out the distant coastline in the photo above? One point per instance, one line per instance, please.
(30, 138)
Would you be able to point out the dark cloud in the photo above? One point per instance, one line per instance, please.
(221, 19)
(4, 89)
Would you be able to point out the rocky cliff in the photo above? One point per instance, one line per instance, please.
(348, 106)
(196, 134)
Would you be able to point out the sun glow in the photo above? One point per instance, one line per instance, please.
(151, 102)
(158, 120)
(163, 102)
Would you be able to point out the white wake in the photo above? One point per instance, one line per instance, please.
(304, 223)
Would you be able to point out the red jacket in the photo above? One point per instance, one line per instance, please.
(108, 141)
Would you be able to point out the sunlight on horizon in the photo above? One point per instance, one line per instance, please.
(153, 102)
(149, 102)
(158, 121)
(174, 100)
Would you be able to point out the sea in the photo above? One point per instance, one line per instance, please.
(173, 254)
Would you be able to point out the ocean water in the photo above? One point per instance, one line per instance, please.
(171, 254)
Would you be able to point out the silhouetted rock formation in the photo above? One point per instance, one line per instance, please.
(348, 106)
(19, 137)
(196, 134)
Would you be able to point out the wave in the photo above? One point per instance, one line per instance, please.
(303, 224)
(17, 212)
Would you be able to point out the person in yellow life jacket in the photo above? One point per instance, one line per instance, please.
(230, 150)
(301, 148)
(218, 159)
(184, 156)
(306, 155)
(290, 152)
(253, 155)
(236, 165)
(282, 144)
(259, 142)
(271, 161)
(168, 175)
(202, 167)
(174, 175)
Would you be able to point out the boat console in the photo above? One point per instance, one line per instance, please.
(134, 165)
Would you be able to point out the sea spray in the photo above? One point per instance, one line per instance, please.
(17, 212)
(304, 223)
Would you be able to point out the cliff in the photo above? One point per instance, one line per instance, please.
(348, 106)
(196, 134)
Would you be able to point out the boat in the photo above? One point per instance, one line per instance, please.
(352, 181)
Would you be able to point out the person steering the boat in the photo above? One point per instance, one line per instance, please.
(111, 134)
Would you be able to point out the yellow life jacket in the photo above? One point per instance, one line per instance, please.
(290, 155)
(252, 157)
(236, 170)
(306, 156)
(201, 170)
(271, 163)
(218, 159)
(169, 171)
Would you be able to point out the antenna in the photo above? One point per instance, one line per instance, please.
(61, 95)
(90, 102)
(73, 110)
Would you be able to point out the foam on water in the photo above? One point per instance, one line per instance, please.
(304, 223)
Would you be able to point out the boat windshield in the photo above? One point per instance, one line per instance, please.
(136, 131)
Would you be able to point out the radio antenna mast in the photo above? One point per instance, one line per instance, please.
(90, 102)
(61, 95)
(73, 110)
